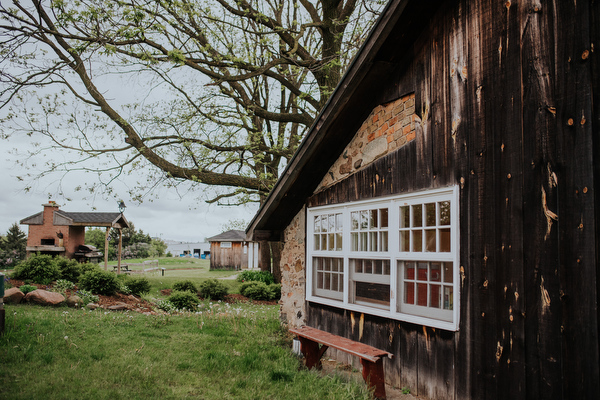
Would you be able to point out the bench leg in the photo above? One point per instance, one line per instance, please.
(312, 352)
(373, 374)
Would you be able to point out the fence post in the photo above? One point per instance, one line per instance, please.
(2, 312)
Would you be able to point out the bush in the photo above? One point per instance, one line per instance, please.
(256, 276)
(87, 297)
(87, 267)
(213, 289)
(184, 300)
(260, 291)
(100, 282)
(27, 288)
(69, 269)
(138, 285)
(62, 285)
(39, 268)
(185, 286)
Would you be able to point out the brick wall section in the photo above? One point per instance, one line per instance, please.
(72, 236)
(388, 127)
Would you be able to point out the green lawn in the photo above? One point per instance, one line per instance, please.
(220, 352)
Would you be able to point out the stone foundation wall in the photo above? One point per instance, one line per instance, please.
(293, 277)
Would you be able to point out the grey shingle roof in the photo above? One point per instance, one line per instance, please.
(90, 217)
(231, 236)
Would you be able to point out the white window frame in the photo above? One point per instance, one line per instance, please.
(446, 319)
(225, 245)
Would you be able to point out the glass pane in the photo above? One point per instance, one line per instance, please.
(373, 241)
(331, 237)
(444, 212)
(405, 241)
(448, 273)
(338, 241)
(430, 214)
(378, 267)
(409, 270)
(386, 267)
(319, 280)
(354, 218)
(324, 223)
(323, 241)
(358, 266)
(434, 296)
(430, 235)
(327, 281)
(338, 222)
(383, 213)
(404, 217)
(331, 223)
(422, 271)
(318, 223)
(373, 220)
(317, 242)
(340, 263)
(341, 284)
(448, 298)
(436, 272)
(445, 240)
(409, 293)
(334, 281)
(368, 266)
(417, 240)
(422, 294)
(384, 241)
(376, 293)
(363, 241)
(364, 220)
(417, 219)
(354, 240)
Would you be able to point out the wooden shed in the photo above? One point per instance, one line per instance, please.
(444, 205)
(231, 250)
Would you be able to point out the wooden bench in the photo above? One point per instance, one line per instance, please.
(370, 357)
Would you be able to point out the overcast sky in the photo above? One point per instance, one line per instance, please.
(169, 217)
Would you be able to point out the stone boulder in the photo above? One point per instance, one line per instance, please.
(13, 295)
(118, 306)
(74, 301)
(44, 297)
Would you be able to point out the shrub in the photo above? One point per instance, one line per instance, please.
(39, 268)
(165, 305)
(87, 267)
(260, 291)
(87, 297)
(100, 282)
(185, 286)
(27, 288)
(69, 269)
(184, 300)
(256, 276)
(138, 285)
(62, 285)
(213, 289)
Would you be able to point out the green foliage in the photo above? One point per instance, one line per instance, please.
(27, 288)
(39, 268)
(87, 267)
(69, 269)
(185, 286)
(62, 285)
(12, 247)
(260, 291)
(184, 300)
(258, 276)
(166, 306)
(405, 390)
(100, 282)
(87, 297)
(157, 248)
(213, 289)
(138, 285)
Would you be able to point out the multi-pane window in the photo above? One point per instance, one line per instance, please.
(369, 230)
(328, 232)
(393, 257)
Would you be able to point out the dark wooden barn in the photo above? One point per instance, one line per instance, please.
(231, 250)
(444, 208)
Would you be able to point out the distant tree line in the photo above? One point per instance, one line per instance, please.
(136, 244)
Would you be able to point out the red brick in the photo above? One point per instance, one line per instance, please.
(411, 136)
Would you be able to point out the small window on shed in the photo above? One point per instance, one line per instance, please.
(225, 245)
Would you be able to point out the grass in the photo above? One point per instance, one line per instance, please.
(224, 351)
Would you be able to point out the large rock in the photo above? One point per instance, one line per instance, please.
(44, 297)
(74, 301)
(119, 306)
(13, 295)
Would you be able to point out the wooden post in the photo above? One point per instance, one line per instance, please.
(106, 249)
(119, 255)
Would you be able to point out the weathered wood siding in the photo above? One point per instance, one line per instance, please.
(232, 258)
(505, 93)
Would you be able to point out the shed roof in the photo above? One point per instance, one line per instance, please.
(229, 236)
(108, 219)
(384, 53)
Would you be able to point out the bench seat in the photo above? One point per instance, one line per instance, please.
(370, 357)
